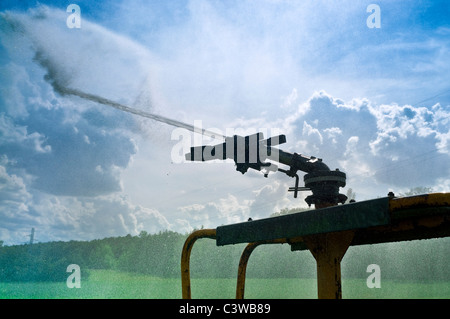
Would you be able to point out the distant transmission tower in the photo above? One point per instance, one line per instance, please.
(32, 236)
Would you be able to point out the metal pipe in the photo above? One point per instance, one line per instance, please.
(297, 161)
(242, 269)
(185, 258)
(240, 286)
(252, 152)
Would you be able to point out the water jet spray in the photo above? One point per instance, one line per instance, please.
(159, 118)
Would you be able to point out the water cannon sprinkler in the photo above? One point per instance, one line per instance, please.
(250, 151)
(255, 152)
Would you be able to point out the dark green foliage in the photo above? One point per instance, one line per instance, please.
(39, 262)
(159, 255)
(419, 260)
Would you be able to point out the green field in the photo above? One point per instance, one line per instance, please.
(105, 284)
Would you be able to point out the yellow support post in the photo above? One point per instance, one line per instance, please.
(185, 259)
(328, 250)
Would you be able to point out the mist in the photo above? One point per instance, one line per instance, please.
(86, 117)
(249, 66)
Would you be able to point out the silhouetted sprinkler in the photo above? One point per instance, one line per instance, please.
(326, 234)
(250, 151)
(253, 151)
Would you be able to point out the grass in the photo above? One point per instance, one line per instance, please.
(101, 284)
(108, 284)
(393, 289)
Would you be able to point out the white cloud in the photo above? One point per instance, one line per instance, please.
(63, 218)
(271, 198)
(443, 144)
(58, 140)
(14, 195)
(313, 137)
(396, 123)
(248, 66)
(352, 143)
(19, 136)
(354, 162)
(289, 100)
(332, 133)
(71, 58)
(312, 133)
(380, 144)
(240, 206)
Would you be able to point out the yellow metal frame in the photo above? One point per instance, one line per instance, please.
(328, 249)
(242, 269)
(186, 256)
(426, 200)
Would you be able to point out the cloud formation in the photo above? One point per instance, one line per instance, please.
(58, 152)
(311, 70)
(384, 142)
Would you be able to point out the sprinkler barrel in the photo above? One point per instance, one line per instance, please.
(255, 152)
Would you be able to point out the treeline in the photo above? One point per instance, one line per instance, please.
(159, 255)
(156, 254)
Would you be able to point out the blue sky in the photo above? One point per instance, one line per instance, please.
(373, 102)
